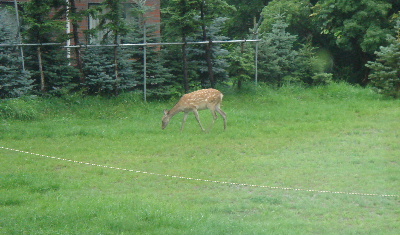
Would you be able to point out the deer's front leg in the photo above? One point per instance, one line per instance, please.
(185, 115)
(196, 114)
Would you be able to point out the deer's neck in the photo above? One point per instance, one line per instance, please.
(176, 109)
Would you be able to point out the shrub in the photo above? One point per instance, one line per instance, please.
(322, 78)
(19, 109)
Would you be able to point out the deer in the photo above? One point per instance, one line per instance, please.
(193, 102)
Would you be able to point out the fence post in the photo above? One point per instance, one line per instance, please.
(19, 35)
(144, 62)
(256, 61)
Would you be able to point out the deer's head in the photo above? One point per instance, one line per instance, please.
(165, 120)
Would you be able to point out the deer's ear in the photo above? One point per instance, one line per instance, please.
(165, 111)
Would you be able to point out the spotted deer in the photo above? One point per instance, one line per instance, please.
(192, 102)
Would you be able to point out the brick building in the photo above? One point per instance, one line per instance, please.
(153, 16)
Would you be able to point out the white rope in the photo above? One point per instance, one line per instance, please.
(203, 180)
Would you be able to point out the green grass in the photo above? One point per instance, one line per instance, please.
(334, 138)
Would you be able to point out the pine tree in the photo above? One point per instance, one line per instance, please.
(209, 15)
(201, 56)
(312, 67)
(99, 69)
(107, 75)
(241, 64)
(158, 77)
(50, 65)
(14, 82)
(277, 55)
(114, 25)
(195, 20)
(76, 16)
(385, 75)
(182, 22)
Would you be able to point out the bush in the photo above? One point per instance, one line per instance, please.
(322, 78)
(19, 109)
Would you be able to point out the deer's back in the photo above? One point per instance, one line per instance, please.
(201, 99)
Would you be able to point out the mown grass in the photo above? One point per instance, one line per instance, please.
(334, 138)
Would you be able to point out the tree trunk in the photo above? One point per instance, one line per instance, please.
(239, 83)
(116, 74)
(209, 64)
(42, 80)
(207, 48)
(75, 27)
(185, 65)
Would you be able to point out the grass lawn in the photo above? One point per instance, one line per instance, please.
(337, 138)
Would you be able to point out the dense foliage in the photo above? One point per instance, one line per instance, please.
(303, 42)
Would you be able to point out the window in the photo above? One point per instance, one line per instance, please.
(97, 37)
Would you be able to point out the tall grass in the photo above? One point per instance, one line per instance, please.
(333, 138)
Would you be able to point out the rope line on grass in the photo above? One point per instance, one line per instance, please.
(202, 180)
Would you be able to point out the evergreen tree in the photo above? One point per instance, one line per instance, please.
(277, 55)
(121, 68)
(241, 64)
(76, 16)
(182, 21)
(197, 65)
(201, 56)
(14, 82)
(115, 27)
(312, 67)
(197, 20)
(49, 63)
(210, 11)
(99, 69)
(385, 75)
(158, 77)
